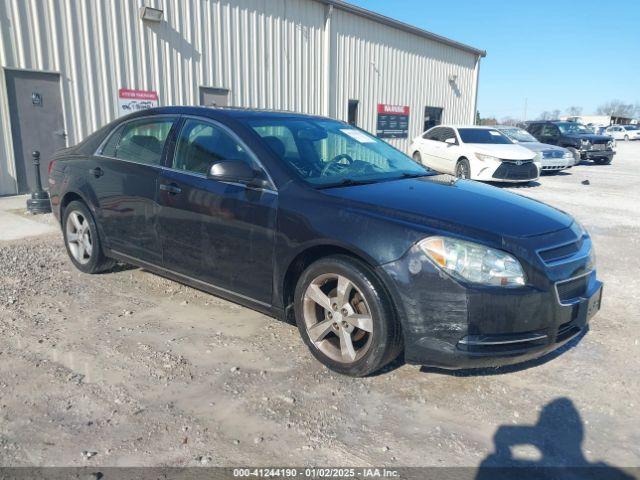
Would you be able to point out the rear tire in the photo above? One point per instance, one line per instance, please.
(344, 307)
(463, 170)
(82, 240)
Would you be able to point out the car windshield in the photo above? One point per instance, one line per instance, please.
(571, 127)
(330, 153)
(482, 135)
(518, 135)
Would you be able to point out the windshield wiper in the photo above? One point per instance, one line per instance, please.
(347, 182)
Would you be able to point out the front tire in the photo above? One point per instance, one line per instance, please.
(463, 170)
(417, 157)
(345, 317)
(82, 240)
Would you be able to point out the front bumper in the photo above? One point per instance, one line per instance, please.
(596, 154)
(450, 325)
(556, 164)
(506, 171)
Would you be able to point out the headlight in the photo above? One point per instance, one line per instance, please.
(483, 157)
(568, 155)
(586, 144)
(473, 263)
(611, 144)
(538, 157)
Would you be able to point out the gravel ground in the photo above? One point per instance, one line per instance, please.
(128, 368)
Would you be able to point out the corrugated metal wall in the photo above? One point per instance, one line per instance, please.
(268, 53)
(380, 64)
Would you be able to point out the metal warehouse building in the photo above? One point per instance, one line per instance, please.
(69, 67)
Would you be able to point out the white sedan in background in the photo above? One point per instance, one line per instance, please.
(623, 132)
(476, 153)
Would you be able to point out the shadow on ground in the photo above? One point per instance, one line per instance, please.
(552, 449)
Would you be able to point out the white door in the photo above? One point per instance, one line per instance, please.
(430, 148)
(450, 152)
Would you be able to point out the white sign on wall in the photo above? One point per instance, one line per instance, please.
(130, 101)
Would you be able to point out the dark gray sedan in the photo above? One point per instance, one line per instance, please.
(552, 158)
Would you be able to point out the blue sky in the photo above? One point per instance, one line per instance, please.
(554, 53)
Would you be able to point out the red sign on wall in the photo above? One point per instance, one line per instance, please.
(130, 101)
(393, 121)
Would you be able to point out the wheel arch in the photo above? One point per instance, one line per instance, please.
(311, 254)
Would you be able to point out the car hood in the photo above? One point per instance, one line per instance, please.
(542, 147)
(506, 151)
(592, 137)
(456, 206)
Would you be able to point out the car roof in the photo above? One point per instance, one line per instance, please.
(223, 112)
(479, 127)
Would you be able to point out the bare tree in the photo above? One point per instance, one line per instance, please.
(555, 114)
(574, 111)
(510, 121)
(616, 108)
(544, 116)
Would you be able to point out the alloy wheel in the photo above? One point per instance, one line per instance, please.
(337, 318)
(79, 237)
(461, 171)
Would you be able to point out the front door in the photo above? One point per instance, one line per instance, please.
(216, 232)
(37, 123)
(124, 177)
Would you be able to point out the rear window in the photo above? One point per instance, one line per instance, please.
(482, 135)
(140, 141)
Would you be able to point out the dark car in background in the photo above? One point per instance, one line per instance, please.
(315, 221)
(583, 143)
(552, 157)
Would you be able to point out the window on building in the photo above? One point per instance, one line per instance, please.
(140, 141)
(353, 112)
(201, 144)
(432, 117)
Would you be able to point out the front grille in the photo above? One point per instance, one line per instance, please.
(553, 154)
(599, 146)
(510, 171)
(559, 253)
(574, 289)
(566, 330)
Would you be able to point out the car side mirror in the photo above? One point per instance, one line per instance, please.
(451, 141)
(235, 171)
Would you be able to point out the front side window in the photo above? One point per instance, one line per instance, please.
(448, 133)
(140, 141)
(482, 135)
(549, 131)
(327, 152)
(202, 144)
(433, 134)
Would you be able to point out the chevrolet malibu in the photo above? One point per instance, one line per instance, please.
(316, 222)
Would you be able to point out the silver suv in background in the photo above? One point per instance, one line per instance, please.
(553, 158)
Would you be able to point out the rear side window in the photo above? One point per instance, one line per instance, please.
(140, 141)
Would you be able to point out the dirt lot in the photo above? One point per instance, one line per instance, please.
(127, 368)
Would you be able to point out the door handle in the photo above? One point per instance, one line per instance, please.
(96, 172)
(172, 188)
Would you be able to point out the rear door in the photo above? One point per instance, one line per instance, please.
(124, 176)
(220, 233)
